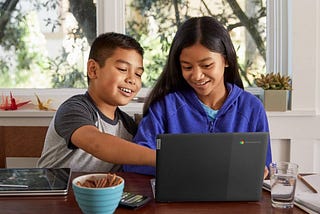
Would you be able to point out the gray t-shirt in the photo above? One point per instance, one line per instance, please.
(74, 113)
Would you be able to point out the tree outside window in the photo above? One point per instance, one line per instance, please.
(154, 23)
(45, 43)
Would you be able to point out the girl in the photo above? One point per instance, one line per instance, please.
(200, 90)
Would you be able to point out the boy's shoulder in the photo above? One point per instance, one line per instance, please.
(78, 98)
(78, 101)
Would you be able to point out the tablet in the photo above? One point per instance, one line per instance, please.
(34, 181)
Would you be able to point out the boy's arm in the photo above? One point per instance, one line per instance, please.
(149, 127)
(111, 148)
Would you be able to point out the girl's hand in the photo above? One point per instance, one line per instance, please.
(266, 172)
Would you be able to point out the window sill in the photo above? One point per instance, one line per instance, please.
(135, 107)
(33, 117)
(30, 116)
(297, 113)
(26, 113)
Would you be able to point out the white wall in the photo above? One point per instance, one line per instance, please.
(296, 135)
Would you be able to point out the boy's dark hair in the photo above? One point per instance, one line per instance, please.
(211, 34)
(105, 44)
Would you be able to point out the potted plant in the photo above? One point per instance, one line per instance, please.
(276, 90)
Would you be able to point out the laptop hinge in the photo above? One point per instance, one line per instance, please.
(158, 143)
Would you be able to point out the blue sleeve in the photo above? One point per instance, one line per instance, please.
(146, 170)
(266, 129)
(258, 120)
(263, 126)
(150, 126)
(269, 156)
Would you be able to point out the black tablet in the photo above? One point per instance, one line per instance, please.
(34, 181)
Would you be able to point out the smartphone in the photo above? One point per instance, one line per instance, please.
(133, 200)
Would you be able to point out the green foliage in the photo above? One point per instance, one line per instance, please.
(5, 78)
(274, 81)
(22, 55)
(65, 75)
(170, 14)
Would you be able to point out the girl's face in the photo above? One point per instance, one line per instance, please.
(204, 71)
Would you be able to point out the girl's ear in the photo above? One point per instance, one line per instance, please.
(226, 62)
(92, 68)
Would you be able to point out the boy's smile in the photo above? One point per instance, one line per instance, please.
(126, 90)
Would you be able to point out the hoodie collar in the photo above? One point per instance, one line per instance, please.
(233, 93)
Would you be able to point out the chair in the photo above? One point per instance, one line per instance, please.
(21, 141)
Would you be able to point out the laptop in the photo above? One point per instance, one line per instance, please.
(210, 166)
(34, 181)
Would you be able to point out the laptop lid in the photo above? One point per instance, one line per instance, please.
(34, 181)
(210, 166)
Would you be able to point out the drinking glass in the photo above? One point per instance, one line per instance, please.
(283, 179)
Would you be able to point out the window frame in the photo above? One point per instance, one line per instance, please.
(278, 37)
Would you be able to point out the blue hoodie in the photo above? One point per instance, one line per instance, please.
(182, 112)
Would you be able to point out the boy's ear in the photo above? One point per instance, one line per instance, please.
(92, 68)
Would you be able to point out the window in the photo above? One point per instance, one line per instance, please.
(154, 24)
(57, 57)
(122, 16)
(45, 43)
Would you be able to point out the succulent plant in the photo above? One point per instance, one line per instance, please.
(274, 81)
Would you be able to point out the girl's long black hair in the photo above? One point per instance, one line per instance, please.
(211, 34)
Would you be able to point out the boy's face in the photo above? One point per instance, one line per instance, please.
(118, 81)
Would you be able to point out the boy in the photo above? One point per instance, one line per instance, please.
(82, 134)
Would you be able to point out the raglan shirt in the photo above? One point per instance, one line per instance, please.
(74, 113)
(182, 112)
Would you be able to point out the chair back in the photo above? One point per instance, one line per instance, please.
(21, 141)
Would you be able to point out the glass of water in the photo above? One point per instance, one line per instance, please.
(283, 179)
